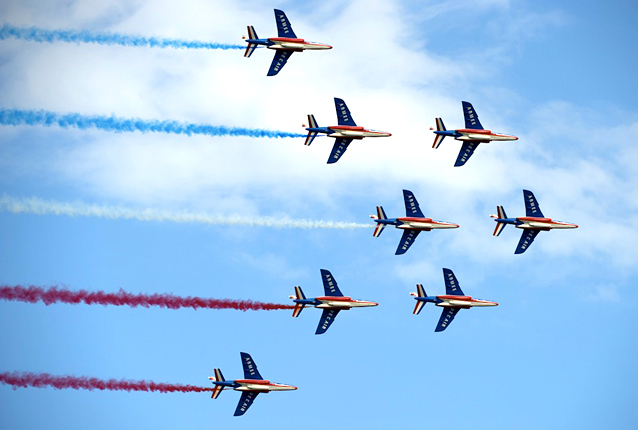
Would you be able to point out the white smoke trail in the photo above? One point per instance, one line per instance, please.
(38, 206)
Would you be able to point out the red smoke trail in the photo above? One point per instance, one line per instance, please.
(122, 298)
(43, 380)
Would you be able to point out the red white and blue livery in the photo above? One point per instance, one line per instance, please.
(472, 135)
(285, 44)
(344, 133)
(453, 300)
(533, 223)
(252, 384)
(412, 224)
(333, 302)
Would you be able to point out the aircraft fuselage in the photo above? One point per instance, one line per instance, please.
(290, 44)
(464, 302)
(468, 134)
(414, 223)
(536, 223)
(335, 302)
(263, 386)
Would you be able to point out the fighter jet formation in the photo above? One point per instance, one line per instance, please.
(345, 132)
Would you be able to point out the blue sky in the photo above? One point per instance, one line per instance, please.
(558, 352)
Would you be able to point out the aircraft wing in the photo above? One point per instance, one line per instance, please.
(452, 287)
(447, 316)
(343, 113)
(327, 318)
(531, 205)
(338, 149)
(284, 29)
(471, 117)
(247, 398)
(466, 152)
(250, 368)
(329, 284)
(279, 61)
(411, 205)
(406, 241)
(527, 238)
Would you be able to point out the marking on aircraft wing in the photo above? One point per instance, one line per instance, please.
(452, 281)
(408, 240)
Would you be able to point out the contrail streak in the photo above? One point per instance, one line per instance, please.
(35, 34)
(17, 117)
(38, 206)
(52, 295)
(43, 380)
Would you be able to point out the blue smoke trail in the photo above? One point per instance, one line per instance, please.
(41, 35)
(118, 125)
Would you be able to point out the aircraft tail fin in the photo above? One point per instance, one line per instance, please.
(299, 295)
(217, 378)
(252, 34)
(419, 303)
(438, 138)
(379, 217)
(312, 123)
(500, 215)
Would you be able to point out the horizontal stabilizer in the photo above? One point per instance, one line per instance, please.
(420, 290)
(438, 138)
(499, 228)
(311, 136)
(298, 308)
(216, 391)
(418, 307)
(378, 229)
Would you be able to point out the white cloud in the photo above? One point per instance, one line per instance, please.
(576, 162)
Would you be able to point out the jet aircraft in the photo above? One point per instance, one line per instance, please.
(250, 386)
(345, 132)
(285, 44)
(413, 223)
(451, 302)
(331, 303)
(533, 223)
(472, 135)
